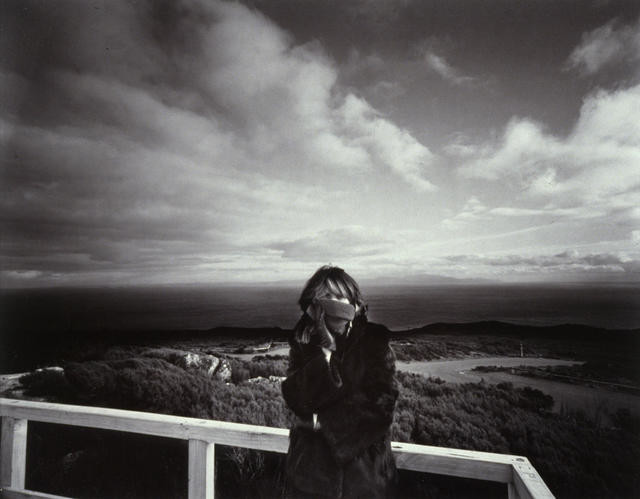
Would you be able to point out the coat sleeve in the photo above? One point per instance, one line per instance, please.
(311, 381)
(362, 417)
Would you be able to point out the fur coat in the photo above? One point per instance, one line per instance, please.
(354, 396)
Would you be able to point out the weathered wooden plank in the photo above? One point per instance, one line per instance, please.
(10, 493)
(201, 470)
(528, 483)
(14, 452)
(221, 432)
(454, 462)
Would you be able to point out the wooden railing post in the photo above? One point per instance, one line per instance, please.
(14, 452)
(527, 483)
(201, 469)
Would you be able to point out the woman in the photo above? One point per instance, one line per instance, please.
(342, 389)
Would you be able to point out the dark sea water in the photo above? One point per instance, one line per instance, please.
(399, 307)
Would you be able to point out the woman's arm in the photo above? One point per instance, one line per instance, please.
(312, 382)
(363, 417)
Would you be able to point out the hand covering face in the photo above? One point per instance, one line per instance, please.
(330, 316)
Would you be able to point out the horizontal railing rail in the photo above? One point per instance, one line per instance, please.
(523, 481)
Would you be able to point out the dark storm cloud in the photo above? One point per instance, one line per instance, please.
(94, 96)
(172, 135)
(151, 47)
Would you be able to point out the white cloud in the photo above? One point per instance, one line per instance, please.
(460, 150)
(293, 113)
(472, 211)
(597, 164)
(523, 147)
(543, 190)
(335, 245)
(567, 265)
(475, 210)
(388, 144)
(606, 46)
(510, 211)
(440, 65)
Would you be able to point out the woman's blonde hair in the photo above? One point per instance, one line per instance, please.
(329, 281)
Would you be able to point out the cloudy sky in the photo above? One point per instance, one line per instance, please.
(205, 141)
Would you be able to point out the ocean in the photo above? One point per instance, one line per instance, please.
(398, 307)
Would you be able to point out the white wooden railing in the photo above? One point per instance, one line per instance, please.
(523, 481)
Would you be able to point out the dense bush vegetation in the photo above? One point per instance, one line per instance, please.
(260, 366)
(152, 385)
(574, 456)
(434, 348)
(50, 383)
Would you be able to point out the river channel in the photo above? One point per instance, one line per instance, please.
(596, 402)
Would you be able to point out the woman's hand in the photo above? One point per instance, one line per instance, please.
(316, 423)
(326, 339)
(327, 354)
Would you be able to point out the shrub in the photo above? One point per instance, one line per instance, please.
(259, 366)
(151, 385)
(46, 382)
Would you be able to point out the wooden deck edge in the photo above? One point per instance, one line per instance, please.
(10, 493)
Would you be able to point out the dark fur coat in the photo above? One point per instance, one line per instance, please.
(354, 396)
